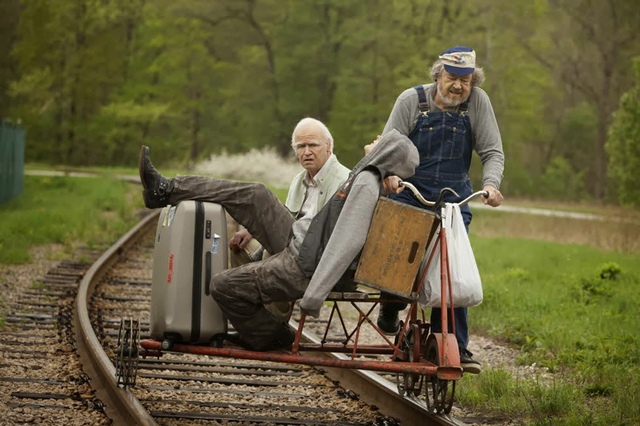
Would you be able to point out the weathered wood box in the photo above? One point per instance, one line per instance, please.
(396, 242)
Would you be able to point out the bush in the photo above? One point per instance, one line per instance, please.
(623, 145)
(561, 182)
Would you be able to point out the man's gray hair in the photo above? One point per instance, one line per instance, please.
(477, 77)
(319, 125)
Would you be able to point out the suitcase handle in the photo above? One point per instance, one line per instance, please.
(207, 273)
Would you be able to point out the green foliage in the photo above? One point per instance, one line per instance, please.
(71, 57)
(623, 145)
(93, 80)
(610, 271)
(561, 182)
(576, 143)
(595, 286)
(8, 71)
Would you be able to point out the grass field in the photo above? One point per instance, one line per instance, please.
(572, 308)
(66, 211)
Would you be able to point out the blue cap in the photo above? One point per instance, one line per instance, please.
(459, 60)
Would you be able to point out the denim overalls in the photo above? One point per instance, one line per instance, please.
(444, 142)
(443, 139)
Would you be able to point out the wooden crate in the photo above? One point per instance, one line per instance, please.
(396, 243)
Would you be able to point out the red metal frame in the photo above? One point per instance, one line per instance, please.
(401, 360)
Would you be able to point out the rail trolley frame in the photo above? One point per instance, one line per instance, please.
(425, 363)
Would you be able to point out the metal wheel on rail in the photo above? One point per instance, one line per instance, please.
(166, 344)
(439, 394)
(127, 352)
(411, 344)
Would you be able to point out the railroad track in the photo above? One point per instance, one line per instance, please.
(41, 379)
(114, 292)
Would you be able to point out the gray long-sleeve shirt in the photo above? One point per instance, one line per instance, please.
(484, 127)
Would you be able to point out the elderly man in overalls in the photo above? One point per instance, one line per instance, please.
(447, 120)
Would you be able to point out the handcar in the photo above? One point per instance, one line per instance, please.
(393, 263)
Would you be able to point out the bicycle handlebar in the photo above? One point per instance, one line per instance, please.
(433, 203)
(472, 196)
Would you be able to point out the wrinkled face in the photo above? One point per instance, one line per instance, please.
(312, 148)
(452, 89)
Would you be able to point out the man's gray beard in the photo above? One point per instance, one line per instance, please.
(446, 100)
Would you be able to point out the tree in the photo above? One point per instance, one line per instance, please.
(592, 41)
(8, 65)
(93, 79)
(72, 55)
(623, 145)
(246, 37)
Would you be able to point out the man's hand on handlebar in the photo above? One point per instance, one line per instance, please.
(495, 196)
(392, 185)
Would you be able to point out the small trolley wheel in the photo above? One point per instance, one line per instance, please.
(167, 344)
(411, 344)
(127, 352)
(439, 394)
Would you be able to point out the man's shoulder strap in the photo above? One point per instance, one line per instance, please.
(423, 105)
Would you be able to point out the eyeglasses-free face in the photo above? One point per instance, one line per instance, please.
(452, 89)
(314, 146)
(312, 151)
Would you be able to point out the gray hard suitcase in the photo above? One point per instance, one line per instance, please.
(190, 247)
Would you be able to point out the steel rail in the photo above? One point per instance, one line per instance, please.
(120, 405)
(380, 392)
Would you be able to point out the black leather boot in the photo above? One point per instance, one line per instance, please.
(156, 187)
(388, 320)
(282, 339)
(236, 339)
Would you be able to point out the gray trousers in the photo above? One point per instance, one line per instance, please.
(242, 292)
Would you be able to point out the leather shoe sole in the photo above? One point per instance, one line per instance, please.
(144, 153)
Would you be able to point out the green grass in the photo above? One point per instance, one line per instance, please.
(572, 309)
(66, 211)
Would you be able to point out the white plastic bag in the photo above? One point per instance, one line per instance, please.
(465, 277)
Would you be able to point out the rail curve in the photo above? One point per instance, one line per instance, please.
(124, 407)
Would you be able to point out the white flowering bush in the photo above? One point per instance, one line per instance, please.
(260, 165)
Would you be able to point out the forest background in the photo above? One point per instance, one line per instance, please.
(91, 80)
